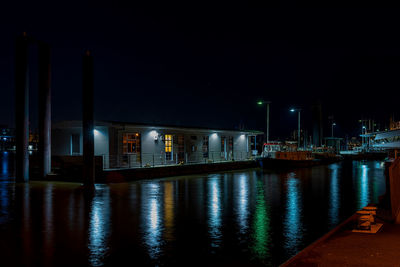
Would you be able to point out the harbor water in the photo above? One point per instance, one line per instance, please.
(244, 218)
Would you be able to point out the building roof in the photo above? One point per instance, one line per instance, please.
(76, 123)
(383, 134)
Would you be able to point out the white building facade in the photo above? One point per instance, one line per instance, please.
(128, 145)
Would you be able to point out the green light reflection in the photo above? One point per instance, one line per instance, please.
(261, 224)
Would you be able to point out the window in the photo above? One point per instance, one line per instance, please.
(253, 143)
(131, 143)
(75, 144)
(168, 146)
(230, 143)
(222, 143)
(205, 146)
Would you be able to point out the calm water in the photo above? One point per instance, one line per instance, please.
(245, 218)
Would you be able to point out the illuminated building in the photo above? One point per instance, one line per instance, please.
(128, 145)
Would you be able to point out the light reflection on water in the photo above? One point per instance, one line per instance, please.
(292, 222)
(334, 196)
(243, 203)
(5, 164)
(239, 217)
(261, 224)
(364, 186)
(99, 227)
(214, 206)
(151, 218)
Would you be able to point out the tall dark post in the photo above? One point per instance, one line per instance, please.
(44, 110)
(22, 109)
(88, 120)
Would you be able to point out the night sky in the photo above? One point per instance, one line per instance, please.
(207, 66)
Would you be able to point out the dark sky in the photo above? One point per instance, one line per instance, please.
(207, 66)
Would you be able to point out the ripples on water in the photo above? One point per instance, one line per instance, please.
(243, 217)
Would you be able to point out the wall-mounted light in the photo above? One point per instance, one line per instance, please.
(214, 135)
(154, 134)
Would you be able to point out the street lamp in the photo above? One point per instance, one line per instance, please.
(298, 126)
(262, 102)
(333, 124)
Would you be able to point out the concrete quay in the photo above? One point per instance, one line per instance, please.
(342, 247)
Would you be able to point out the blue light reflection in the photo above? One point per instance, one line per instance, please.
(4, 165)
(214, 209)
(364, 189)
(151, 224)
(242, 203)
(99, 226)
(334, 201)
(292, 223)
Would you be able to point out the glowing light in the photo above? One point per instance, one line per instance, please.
(260, 103)
(292, 110)
(214, 135)
(154, 134)
(96, 132)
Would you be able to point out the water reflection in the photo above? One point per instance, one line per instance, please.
(334, 201)
(363, 186)
(242, 203)
(251, 217)
(169, 210)
(99, 227)
(4, 164)
(261, 224)
(48, 233)
(292, 222)
(151, 217)
(214, 209)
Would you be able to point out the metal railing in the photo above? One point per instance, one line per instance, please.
(146, 160)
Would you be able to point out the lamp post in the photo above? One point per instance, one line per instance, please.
(362, 137)
(262, 102)
(298, 125)
(333, 124)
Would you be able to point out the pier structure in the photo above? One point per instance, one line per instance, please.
(22, 107)
(88, 120)
(44, 110)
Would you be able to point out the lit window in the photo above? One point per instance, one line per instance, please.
(168, 146)
(131, 143)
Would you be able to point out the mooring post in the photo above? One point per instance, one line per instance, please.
(22, 109)
(44, 109)
(88, 120)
